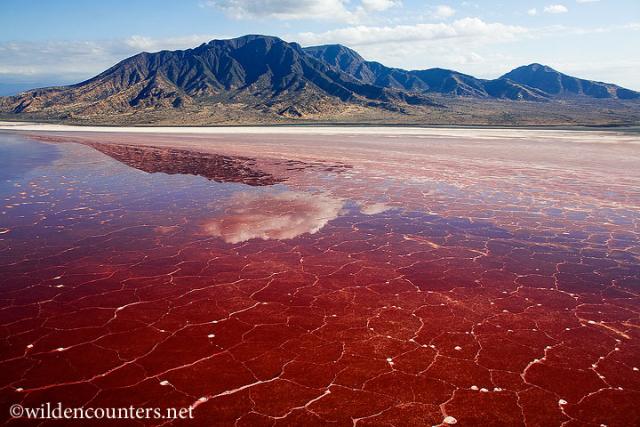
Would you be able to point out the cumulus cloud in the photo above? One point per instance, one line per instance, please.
(379, 5)
(555, 9)
(330, 10)
(327, 10)
(150, 44)
(443, 11)
(466, 28)
(532, 12)
(273, 216)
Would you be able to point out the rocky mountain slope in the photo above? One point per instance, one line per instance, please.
(558, 85)
(531, 82)
(265, 79)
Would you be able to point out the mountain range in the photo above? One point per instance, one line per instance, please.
(258, 79)
(533, 82)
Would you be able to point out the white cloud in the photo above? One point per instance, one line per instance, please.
(379, 5)
(317, 10)
(150, 44)
(555, 9)
(334, 10)
(532, 12)
(466, 28)
(443, 11)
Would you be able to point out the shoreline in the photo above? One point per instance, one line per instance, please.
(391, 131)
(4, 123)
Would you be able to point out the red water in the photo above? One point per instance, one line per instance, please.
(348, 294)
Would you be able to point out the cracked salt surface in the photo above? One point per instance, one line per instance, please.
(509, 286)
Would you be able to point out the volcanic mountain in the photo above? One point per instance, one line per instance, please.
(260, 72)
(265, 79)
(557, 84)
(434, 80)
(531, 82)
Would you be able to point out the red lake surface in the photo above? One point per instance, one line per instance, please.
(323, 279)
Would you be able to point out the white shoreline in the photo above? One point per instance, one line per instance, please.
(603, 136)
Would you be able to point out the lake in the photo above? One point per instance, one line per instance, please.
(323, 276)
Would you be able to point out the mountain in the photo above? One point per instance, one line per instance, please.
(534, 82)
(259, 71)
(557, 84)
(257, 79)
(434, 80)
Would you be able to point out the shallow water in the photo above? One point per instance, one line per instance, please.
(300, 293)
(19, 156)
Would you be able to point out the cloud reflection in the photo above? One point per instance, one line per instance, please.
(373, 208)
(273, 216)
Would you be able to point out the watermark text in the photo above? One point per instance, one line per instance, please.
(56, 411)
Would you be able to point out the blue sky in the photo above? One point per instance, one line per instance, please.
(55, 41)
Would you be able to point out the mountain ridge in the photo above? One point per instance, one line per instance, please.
(521, 81)
(551, 81)
(264, 78)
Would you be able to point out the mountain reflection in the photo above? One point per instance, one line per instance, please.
(216, 167)
(266, 216)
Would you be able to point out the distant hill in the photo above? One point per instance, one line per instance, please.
(559, 85)
(265, 79)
